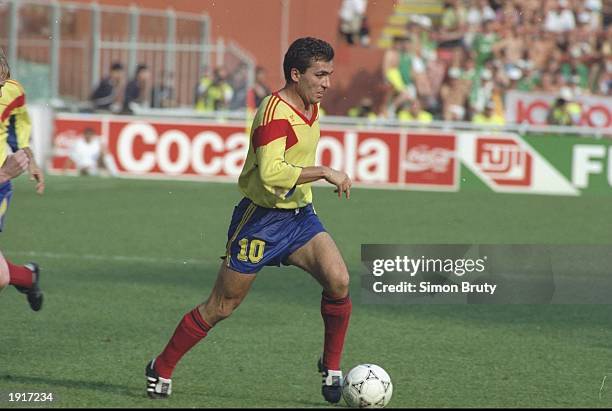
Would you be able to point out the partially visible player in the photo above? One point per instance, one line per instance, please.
(15, 133)
(275, 223)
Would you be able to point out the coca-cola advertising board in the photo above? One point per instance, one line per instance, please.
(207, 150)
(384, 158)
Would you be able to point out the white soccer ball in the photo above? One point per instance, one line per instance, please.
(367, 386)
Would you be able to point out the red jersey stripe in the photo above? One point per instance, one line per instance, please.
(267, 110)
(274, 130)
(273, 110)
(18, 102)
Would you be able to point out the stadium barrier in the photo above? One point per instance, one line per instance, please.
(379, 157)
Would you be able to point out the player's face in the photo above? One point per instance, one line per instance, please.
(314, 82)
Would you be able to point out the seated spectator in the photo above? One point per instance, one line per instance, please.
(107, 95)
(365, 109)
(559, 114)
(488, 117)
(162, 95)
(214, 93)
(414, 113)
(88, 154)
(137, 90)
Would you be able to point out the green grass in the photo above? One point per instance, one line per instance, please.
(123, 261)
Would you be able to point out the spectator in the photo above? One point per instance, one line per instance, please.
(415, 113)
(162, 95)
(454, 95)
(397, 68)
(484, 42)
(240, 87)
(214, 93)
(365, 109)
(559, 114)
(489, 117)
(560, 19)
(107, 94)
(453, 25)
(88, 154)
(137, 90)
(352, 15)
(260, 89)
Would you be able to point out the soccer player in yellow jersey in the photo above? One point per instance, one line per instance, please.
(275, 222)
(15, 134)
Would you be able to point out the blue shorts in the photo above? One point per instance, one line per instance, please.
(260, 236)
(6, 192)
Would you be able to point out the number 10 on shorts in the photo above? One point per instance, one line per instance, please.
(255, 250)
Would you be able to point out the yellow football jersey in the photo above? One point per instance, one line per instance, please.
(15, 123)
(282, 142)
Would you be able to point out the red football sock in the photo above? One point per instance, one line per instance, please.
(20, 275)
(188, 333)
(336, 314)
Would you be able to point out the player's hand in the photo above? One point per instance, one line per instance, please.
(37, 175)
(14, 165)
(342, 182)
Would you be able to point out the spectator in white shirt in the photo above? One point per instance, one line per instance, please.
(561, 18)
(88, 154)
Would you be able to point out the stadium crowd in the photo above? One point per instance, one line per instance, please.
(456, 67)
(460, 68)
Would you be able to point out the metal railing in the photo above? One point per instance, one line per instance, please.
(60, 50)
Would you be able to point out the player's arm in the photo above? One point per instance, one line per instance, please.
(340, 179)
(23, 128)
(14, 166)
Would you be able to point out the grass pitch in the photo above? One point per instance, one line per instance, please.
(123, 260)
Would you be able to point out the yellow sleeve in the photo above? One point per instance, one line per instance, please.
(23, 126)
(15, 116)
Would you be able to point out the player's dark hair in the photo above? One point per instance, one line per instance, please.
(5, 70)
(305, 51)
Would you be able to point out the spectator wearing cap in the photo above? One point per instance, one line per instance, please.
(107, 95)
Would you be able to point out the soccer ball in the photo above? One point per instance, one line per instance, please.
(367, 386)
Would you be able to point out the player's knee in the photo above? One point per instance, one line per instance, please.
(224, 308)
(339, 285)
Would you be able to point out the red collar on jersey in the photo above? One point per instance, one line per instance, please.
(315, 110)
